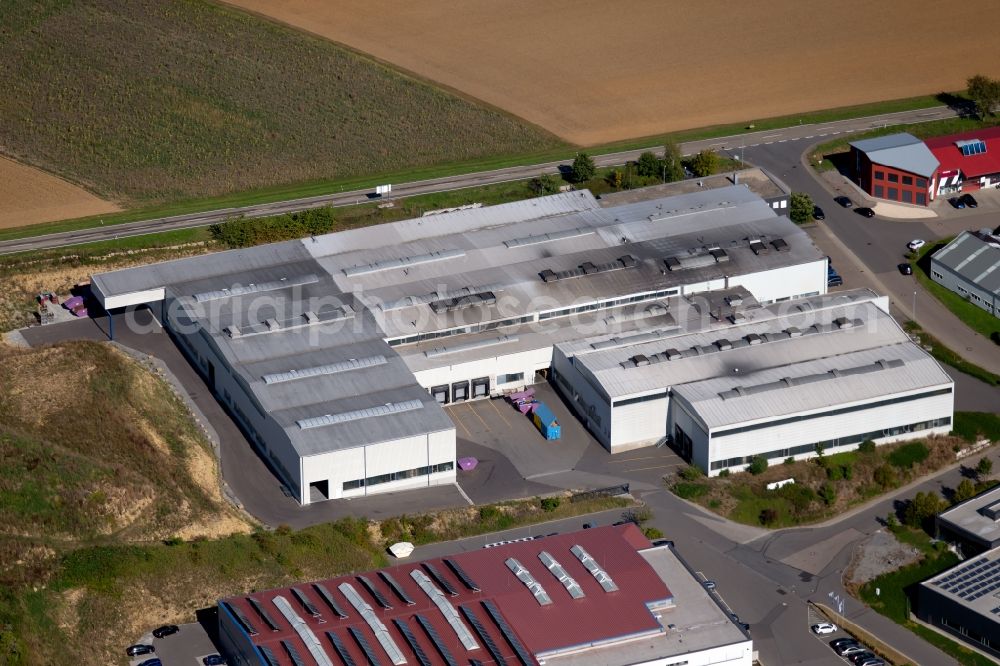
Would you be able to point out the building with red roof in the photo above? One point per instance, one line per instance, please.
(601, 596)
(968, 161)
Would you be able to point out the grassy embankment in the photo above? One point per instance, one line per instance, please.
(112, 520)
(829, 485)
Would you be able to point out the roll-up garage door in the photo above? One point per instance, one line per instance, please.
(481, 387)
(441, 394)
(460, 391)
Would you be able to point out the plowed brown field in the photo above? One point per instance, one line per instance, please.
(30, 196)
(594, 71)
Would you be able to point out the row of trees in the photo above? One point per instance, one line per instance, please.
(667, 169)
(985, 93)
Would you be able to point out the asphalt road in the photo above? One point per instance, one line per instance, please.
(401, 190)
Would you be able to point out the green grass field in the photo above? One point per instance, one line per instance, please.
(157, 100)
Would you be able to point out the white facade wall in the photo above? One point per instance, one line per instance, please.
(639, 424)
(737, 654)
(591, 406)
(134, 298)
(826, 428)
(363, 462)
(784, 283)
(526, 362)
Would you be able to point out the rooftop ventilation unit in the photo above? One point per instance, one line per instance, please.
(753, 339)
(599, 574)
(697, 259)
(331, 369)
(368, 412)
(381, 633)
(403, 262)
(640, 360)
(330, 314)
(559, 572)
(723, 345)
(757, 246)
(435, 595)
(523, 575)
(843, 322)
(589, 268)
(734, 300)
(463, 302)
(991, 511)
(302, 629)
(780, 245)
(547, 238)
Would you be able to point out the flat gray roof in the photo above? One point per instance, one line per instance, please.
(900, 151)
(974, 583)
(975, 255)
(755, 179)
(297, 307)
(970, 517)
(695, 621)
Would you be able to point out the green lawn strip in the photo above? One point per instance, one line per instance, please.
(949, 357)
(972, 426)
(820, 154)
(557, 154)
(896, 587)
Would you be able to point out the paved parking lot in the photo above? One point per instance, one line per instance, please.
(185, 648)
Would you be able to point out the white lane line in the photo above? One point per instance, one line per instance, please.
(782, 140)
(753, 145)
(770, 136)
(809, 137)
(462, 493)
(821, 135)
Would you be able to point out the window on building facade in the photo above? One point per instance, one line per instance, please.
(921, 182)
(880, 175)
(893, 177)
(894, 193)
(879, 191)
(907, 180)
(921, 198)
(907, 196)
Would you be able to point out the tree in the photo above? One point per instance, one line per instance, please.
(985, 92)
(828, 493)
(758, 465)
(648, 165)
(867, 446)
(704, 163)
(544, 184)
(583, 168)
(768, 516)
(922, 508)
(984, 467)
(616, 178)
(801, 208)
(965, 490)
(885, 476)
(672, 167)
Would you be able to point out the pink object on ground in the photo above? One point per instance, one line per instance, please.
(468, 463)
(73, 301)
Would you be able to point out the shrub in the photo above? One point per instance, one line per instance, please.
(725, 473)
(758, 465)
(885, 476)
(908, 455)
(652, 533)
(790, 460)
(922, 508)
(768, 516)
(714, 504)
(965, 490)
(550, 503)
(648, 165)
(487, 513)
(544, 184)
(687, 490)
(984, 467)
(691, 473)
(891, 522)
(867, 446)
(828, 493)
(835, 472)
(800, 496)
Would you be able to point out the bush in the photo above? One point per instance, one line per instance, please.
(835, 472)
(725, 473)
(648, 165)
(891, 522)
(965, 490)
(550, 503)
(867, 446)
(691, 473)
(828, 493)
(984, 467)
(758, 465)
(908, 455)
(800, 496)
(885, 476)
(544, 184)
(922, 509)
(652, 533)
(488, 513)
(704, 163)
(790, 460)
(768, 516)
(801, 208)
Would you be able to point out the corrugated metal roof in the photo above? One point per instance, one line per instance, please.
(975, 256)
(900, 151)
(713, 404)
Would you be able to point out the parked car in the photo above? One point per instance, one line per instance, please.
(709, 584)
(213, 660)
(587, 526)
(848, 650)
(873, 661)
(165, 630)
(842, 642)
(905, 269)
(969, 200)
(818, 213)
(139, 650)
(824, 628)
(864, 210)
(858, 658)
(834, 280)
(957, 202)
(916, 244)
(844, 201)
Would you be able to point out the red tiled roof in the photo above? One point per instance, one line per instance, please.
(972, 166)
(566, 622)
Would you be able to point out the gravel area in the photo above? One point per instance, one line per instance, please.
(879, 554)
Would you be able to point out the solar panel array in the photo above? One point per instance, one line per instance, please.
(972, 147)
(263, 613)
(341, 649)
(374, 591)
(268, 655)
(972, 581)
(440, 579)
(307, 605)
(471, 618)
(436, 639)
(522, 653)
(293, 653)
(242, 619)
(412, 641)
(396, 588)
(457, 569)
(365, 646)
(330, 601)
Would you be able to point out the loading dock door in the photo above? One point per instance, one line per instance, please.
(441, 394)
(460, 391)
(481, 387)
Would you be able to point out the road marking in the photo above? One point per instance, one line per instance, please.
(473, 409)
(753, 145)
(770, 136)
(643, 469)
(628, 460)
(769, 143)
(462, 493)
(810, 136)
(459, 421)
(782, 140)
(500, 413)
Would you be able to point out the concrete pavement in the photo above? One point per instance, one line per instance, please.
(730, 144)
